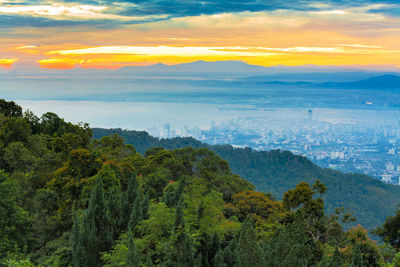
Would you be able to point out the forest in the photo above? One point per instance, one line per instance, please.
(277, 171)
(68, 198)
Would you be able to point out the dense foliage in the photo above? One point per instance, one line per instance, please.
(69, 200)
(278, 171)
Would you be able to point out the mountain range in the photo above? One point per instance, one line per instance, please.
(219, 69)
(385, 81)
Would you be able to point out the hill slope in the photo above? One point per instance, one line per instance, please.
(278, 171)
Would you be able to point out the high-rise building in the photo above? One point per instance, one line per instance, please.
(195, 132)
(167, 131)
(185, 131)
(212, 126)
(310, 115)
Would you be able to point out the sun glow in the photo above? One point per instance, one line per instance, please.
(118, 56)
(7, 63)
(113, 35)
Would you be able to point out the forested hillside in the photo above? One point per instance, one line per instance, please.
(278, 171)
(67, 199)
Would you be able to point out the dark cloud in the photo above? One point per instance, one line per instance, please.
(389, 11)
(28, 21)
(181, 8)
(14, 21)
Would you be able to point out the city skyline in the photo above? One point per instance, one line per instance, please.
(371, 148)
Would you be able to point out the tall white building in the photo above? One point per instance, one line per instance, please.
(167, 131)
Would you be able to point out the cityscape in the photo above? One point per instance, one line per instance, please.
(369, 146)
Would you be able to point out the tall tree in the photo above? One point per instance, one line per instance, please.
(136, 214)
(127, 201)
(182, 243)
(229, 253)
(213, 250)
(78, 256)
(179, 219)
(146, 205)
(96, 227)
(219, 259)
(133, 256)
(292, 246)
(171, 197)
(114, 211)
(248, 251)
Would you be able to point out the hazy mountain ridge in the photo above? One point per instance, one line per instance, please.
(384, 81)
(227, 69)
(388, 81)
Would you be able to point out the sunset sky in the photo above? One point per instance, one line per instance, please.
(112, 34)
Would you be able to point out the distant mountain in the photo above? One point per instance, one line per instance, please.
(340, 76)
(385, 81)
(242, 69)
(204, 69)
(278, 171)
(199, 66)
(378, 82)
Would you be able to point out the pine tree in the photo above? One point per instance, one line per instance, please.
(214, 248)
(96, 235)
(171, 198)
(168, 198)
(208, 248)
(357, 260)
(179, 220)
(182, 243)
(204, 249)
(114, 210)
(269, 248)
(133, 256)
(178, 191)
(291, 246)
(127, 201)
(229, 253)
(78, 258)
(145, 206)
(219, 259)
(248, 252)
(136, 214)
(184, 251)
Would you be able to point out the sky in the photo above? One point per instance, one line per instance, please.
(68, 34)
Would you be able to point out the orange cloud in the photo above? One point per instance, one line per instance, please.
(119, 56)
(338, 37)
(59, 63)
(7, 63)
